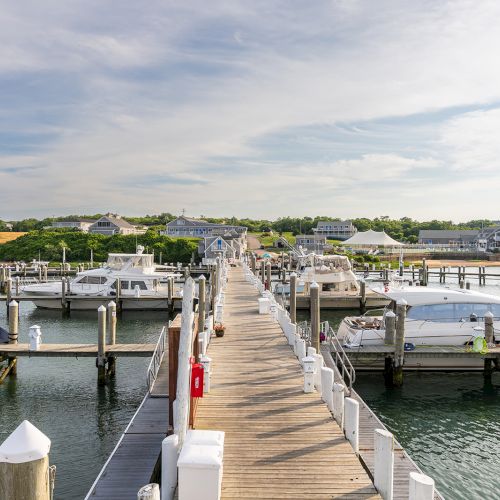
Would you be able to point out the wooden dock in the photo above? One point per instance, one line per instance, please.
(77, 350)
(280, 442)
(135, 461)
(368, 422)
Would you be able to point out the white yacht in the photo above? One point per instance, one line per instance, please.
(335, 277)
(136, 274)
(435, 316)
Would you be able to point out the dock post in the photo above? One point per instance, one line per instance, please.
(28, 475)
(118, 295)
(8, 293)
(201, 303)
(390, 328)
(362, 300)
(462, 283)
(327, 377)
(338, 404)
(315, 315)
(263, 271)
(351, 422)
(13, 333)
(293, 298)
(111, 338)
(268, 276)
(101, 345)
(170, 293)
(399, 350)
(467, 285)
(40, 274)
(383, 477)
(421, 487)
(283, 274)
(149, 492)
(253, 264)
(63, 294)
(425, 275)
(489, 337)
(169, 455)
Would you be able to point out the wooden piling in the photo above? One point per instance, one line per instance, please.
(13, 333)
(201, 303)
(397, 375)
(268, 276)
(315, 315)
(293, 298)
(8, 293)
(362, 300)
(253, 264)
(101, 345)
(263, 271)
(111, 337)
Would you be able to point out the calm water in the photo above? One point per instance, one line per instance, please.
(447, 422)
(60, 395)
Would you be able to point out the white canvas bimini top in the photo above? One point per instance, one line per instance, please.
(372, 239)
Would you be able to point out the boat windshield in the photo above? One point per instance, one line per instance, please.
(452, 312)
(124, 261)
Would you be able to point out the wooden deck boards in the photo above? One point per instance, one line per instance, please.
(368, 422)
(280, 442)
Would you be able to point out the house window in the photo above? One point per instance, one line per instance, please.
(104, 224)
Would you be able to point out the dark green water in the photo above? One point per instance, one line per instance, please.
(60, 395)
(447, 422)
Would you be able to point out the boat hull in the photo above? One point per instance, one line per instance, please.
(92, 303)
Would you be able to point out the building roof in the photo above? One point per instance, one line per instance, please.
(372, 239)
(448, 233)
(116, 220)
(199, 223)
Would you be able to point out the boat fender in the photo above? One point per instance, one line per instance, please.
(409, 346)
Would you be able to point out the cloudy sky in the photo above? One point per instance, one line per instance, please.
(250, 108)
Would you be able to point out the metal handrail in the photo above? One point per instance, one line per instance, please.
(156, 359)
(341, 359)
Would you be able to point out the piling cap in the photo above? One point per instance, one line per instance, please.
(101, 308)
(294, 274)
(25, 444)
(402, 302)
(13, 303)
(390, 314)
(314, 285)
(489, 314)
(112, 304)
(421, 478)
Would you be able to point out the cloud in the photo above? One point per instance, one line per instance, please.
(145, 106)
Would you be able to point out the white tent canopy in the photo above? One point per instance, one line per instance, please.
(372, 239)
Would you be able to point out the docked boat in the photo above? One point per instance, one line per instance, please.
(339, 286)
(435, 316)
(141, 285)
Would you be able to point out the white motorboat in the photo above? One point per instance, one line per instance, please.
(435, 316)
(135, 273)
(335, 277)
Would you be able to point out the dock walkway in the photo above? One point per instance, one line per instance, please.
(135, 460)
(368, 422)
(280, 442)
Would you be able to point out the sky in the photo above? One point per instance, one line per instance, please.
(259, 108)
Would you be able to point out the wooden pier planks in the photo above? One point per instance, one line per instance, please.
(368, 422)
(280, 442)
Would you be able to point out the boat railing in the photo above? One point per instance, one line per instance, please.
(304, 331)
(156, 359)
(340, 358)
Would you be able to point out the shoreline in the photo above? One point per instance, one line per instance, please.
(433, 263)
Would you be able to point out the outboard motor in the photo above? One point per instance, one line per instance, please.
(473, 318)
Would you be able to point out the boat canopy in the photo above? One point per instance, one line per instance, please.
(416, 295)
(124, 261)
(372, 239)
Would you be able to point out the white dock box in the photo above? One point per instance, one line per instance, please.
(264, 305)
(200, 472)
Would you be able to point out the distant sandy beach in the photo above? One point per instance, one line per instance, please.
(456, 263)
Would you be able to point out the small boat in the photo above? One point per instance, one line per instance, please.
(135, 273)
(435, 316)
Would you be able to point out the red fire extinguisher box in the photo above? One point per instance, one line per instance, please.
(197, 373)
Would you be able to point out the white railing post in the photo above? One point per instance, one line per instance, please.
(327, 386)
(338, 404)
(169, 453)
(301, 349)
(351, 422)
(309, 364)
(421, 487)
(207, 371)
(383, 476)
(292, 332)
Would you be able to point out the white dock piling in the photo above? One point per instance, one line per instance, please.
(327, 386)
(169, 453)
(338, 404)
(351, 422)
(149, 492)
(383, 477)
(421, 487)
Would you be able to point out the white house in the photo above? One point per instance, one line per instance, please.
(111, 224)
(187, 227)
(335, 229)
(80, 224)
